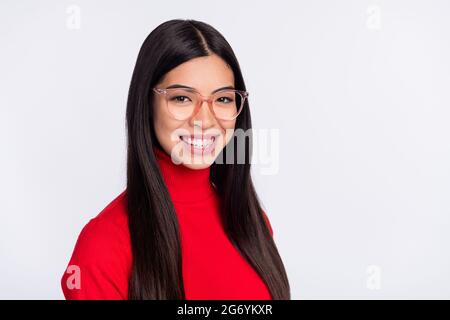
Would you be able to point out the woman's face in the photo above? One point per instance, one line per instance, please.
(204, 74)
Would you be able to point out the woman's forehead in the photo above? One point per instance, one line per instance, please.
(205, 74)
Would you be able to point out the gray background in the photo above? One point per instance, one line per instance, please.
(359, 91)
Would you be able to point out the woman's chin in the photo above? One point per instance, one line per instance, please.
(196, 166)
(197, 157)
(198, 161)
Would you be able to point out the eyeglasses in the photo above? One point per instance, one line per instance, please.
(182, 103)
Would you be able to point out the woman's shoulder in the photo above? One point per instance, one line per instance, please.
(102, 255)
(113, 215)
(108, 229)
(266, 219)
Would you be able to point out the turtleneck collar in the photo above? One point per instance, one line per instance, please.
(184, 184)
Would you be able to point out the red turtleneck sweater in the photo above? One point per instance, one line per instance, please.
(212, 268)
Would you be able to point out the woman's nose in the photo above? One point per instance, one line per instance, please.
(203, 116)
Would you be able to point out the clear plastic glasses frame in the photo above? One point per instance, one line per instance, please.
(182, 110)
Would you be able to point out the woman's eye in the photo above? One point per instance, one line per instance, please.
(224, 100)
(180, 98)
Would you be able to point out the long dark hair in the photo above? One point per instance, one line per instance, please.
(156, 270)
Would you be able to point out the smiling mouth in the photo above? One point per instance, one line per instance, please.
(199, 143)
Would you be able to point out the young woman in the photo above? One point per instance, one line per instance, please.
(186, 226)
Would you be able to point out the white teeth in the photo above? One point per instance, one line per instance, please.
(199, 143)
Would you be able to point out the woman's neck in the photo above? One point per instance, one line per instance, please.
(184, 184)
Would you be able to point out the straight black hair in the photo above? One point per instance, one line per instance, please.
(157, 269)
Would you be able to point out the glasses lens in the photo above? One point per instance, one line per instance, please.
(181, 102)
(227, 104)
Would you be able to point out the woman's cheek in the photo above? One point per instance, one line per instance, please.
(164, 130)
(229, 133)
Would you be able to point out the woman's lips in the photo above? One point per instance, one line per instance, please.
(200, 144)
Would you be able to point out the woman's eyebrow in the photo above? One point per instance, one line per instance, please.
(187, 87)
